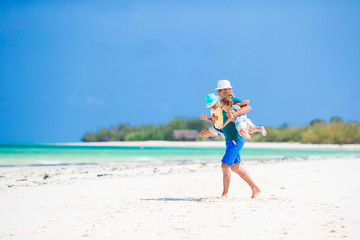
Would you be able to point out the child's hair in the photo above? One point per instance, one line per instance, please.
(227, 101)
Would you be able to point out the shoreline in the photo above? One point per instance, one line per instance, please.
(33, 175)
(218, 144)
(141, 152)
(166, 162)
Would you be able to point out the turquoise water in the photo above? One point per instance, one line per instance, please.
(51, 154)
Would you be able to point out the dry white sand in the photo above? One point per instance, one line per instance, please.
(304, 199)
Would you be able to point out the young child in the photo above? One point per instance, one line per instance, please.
(212, 102)
(242, 123)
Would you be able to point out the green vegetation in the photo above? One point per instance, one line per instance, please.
(335, 131)
(125, 132)
(318, 131)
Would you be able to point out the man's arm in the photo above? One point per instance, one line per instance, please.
(243, 103)
(243, 110)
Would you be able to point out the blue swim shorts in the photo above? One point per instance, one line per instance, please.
(232, 153)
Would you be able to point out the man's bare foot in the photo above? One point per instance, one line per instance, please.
(224, 197)
(255, 192)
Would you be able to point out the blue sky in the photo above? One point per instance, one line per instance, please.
(68, 67)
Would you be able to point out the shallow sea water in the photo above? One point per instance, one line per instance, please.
(53, 154)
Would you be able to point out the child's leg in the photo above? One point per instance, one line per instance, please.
(244, 133)
(254, 129)
(207, 133)
(241, 127)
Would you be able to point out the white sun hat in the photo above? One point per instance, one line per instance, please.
(222, 84)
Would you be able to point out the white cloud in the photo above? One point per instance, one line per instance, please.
(94, 101)
(72, 100)
(164, 107)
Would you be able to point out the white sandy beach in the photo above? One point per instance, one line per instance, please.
(301, 199)
(294, 145)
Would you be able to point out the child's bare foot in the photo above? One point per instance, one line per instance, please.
(247, 136)
(263, 131)
(255, 192)
(224, 197)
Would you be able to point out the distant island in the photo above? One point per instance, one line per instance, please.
(318, 131)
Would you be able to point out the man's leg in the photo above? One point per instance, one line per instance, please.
(231, 153)
(226, 179)
(244, 175)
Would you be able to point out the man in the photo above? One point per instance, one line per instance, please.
(234, 143)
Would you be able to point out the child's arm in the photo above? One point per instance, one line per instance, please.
(206, 118)
(227, 121)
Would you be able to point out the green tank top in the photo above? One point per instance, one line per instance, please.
(229, 130)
